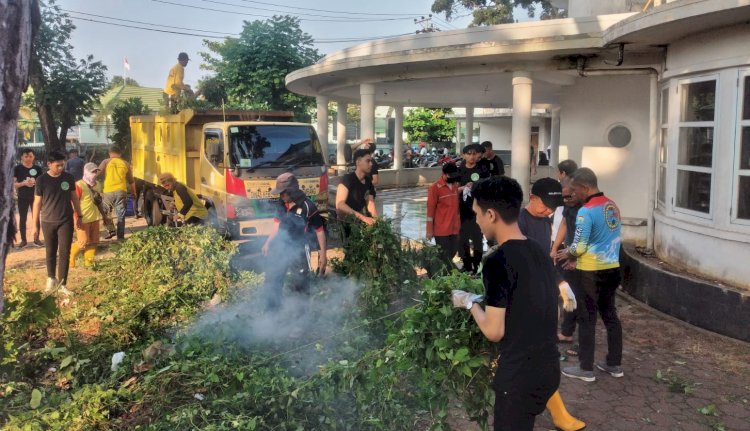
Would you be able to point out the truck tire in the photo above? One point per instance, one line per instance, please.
(151, 209)
(156, 215)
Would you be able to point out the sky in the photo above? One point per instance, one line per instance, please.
(151, 54)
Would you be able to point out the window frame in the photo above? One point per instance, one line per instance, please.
(742, 73)
(679, 125)
(663, 165)
(222, 163)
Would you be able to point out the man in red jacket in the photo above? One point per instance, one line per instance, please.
(443, 221)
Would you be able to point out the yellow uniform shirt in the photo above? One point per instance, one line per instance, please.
(174, 81)
(89, 210)
(117, 175)
(183, 194)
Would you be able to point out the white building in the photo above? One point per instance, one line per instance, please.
(656, 102)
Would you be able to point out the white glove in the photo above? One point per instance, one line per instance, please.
(568, 297)
(463, 299)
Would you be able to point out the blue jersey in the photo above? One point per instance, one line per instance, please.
(597, 239)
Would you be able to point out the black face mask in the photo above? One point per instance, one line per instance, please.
(453, 179)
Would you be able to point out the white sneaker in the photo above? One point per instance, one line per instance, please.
(51, 284)
(64, 291)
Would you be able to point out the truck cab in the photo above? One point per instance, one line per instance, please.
(231, 159)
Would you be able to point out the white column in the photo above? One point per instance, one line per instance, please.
(322, 126)
(340, 133)
(521, 131)
(469, 136)
(367, 95)
(653, 158)
(398, 138)
(543, 135)
(555, 137)
(458, 136)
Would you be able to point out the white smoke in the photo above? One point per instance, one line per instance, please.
(296, 325)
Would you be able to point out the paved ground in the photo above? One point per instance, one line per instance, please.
(677, 377)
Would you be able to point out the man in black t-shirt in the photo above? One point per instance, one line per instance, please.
(56, 202)
(565, 236)
(521, 311)
(369, 145)
(494, 163)
(298, 228)
(470, 171)
(25, 175)
(355, 195)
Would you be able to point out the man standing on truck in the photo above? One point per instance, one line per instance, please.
(298, 228)
(175, 85)
(190, 209)
(118, 175)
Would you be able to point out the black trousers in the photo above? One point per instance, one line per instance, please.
(568, 325)
(195, 220)
(518, 404)
(448, 248)
(471, 239)
(58, 236)
(283, 260)
(596, 295)
(24, 206)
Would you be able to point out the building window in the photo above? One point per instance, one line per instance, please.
(743, 153)
(695, 145)
(662, 188)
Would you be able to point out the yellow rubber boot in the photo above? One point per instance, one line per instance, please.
(560, 417)
(74, 250)
(88, 255)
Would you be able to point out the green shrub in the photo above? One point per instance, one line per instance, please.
(159, 279)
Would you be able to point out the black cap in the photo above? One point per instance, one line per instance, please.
(549, 191)
(285, 182)
(183, 56)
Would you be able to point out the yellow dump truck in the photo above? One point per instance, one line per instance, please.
(230, 159)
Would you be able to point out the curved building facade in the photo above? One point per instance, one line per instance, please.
(656, 102)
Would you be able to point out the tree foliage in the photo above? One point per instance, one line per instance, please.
(213, 91)
(66, 89)
(252, 68)
(121, 114)
(118, 81)
(491, 12)
(429, 125)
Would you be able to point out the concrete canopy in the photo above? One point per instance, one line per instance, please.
(468, 67)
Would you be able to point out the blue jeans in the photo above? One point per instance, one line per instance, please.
(116, 201)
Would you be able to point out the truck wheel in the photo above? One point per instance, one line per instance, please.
(156, 216)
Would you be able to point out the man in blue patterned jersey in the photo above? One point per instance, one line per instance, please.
(596, 248)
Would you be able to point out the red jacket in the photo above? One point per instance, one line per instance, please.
(442, 209)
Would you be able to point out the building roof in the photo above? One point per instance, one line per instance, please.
(453, 68)
(676, 20)
(151, 97)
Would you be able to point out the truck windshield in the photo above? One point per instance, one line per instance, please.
(274, 145)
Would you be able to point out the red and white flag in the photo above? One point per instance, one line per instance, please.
(126, 64)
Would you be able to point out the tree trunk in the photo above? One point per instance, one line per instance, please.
(63, 138)
(46, 120)
(19, 19)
